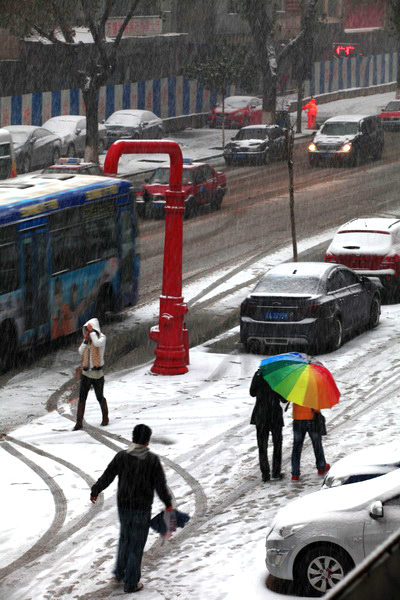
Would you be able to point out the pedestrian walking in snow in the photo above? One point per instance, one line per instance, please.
(312, 111)
(139, 474)
(267, 417)
(304, 422)
(91, 370)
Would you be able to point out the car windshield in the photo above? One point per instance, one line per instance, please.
(278, 284)
(161, 176)
(251, 134)
(236, 102)
(392, 106)
(124, 120)
(340, 128)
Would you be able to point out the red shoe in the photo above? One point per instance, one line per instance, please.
(295, 477)
(325, 470)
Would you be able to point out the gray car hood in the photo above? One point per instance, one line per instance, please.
(334, 139)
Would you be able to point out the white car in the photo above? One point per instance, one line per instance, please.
(364, 464)
(318, 538)
(72, 131)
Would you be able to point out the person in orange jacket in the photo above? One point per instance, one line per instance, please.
(312, 110)
(303, 422)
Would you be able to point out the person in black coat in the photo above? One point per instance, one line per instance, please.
(267, 417)
(139, 474)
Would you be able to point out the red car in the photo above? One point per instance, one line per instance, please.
(390, 116)
(74, 165)
(203, 186)
(239, 111)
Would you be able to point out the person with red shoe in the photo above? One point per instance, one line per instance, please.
(303, 422)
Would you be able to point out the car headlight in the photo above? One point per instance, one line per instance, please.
(346, 147)
(312, 147)
(288, 530)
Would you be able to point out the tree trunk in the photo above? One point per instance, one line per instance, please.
(398, 74)
(269, 98)
(300, 94)
(223, 121)
(290, 143)
(91, 99)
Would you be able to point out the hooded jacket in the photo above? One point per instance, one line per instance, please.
(267, 411)
(92, 352)
(311, 107)
(139, 474)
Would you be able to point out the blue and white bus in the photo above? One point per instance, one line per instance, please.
(68, 252)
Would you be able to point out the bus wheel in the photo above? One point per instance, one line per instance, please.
(105, 303)
(8, 346)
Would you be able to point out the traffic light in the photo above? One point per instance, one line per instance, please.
(346, 50)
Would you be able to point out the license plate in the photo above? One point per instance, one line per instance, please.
(240, 155)
(276, 316)
(326, 155)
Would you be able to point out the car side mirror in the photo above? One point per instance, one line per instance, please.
(78, 131)
(376, 511)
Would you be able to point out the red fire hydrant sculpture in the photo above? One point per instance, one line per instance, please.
(171, 336)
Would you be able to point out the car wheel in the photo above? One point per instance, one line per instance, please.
(266, 157)
(71, 151)
(105, 302)
(26, 165)
(216, 202)
(313, 161)
(378, 153)
(356, 158)
(321, 568)
(336, 334)
(101, 146)
(246, 121)
(254, 347)
(228, 161)
(374, 314)
(190, 208)
(56, 155)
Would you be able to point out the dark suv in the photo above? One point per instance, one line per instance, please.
(348, 140)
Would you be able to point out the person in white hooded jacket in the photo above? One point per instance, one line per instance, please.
(92, 374)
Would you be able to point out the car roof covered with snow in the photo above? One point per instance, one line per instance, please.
(348, 118)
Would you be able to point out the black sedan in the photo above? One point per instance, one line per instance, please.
(257, 144)
(133, 124)
(308, 304)
(35, 147)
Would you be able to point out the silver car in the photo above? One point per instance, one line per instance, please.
(35, 147)
(318, 538)
(133, 124)
(72, 131)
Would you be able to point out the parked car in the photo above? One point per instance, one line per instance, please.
(362, 465)
(371, 247)
(203, 186)
(35, 147)
(318, 538)
(390, 116)
(133, 124)
(8, 163)
(308, 304)
(72, 131)
(347, 140)
(257, 144)
(74, 165)
(239, 111)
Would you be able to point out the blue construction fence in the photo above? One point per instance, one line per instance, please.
(176, 96)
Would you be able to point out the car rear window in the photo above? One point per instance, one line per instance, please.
(369, 242)
(296, 284)
(392, 106)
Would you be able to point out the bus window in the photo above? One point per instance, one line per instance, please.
(8, 268)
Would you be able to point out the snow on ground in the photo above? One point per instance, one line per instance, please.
(201, 430)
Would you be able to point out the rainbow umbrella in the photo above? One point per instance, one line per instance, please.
(300, 379)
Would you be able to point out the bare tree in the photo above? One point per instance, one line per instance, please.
(50, 18)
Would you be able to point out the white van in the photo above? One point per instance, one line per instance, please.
(318, 538)
(8, 165)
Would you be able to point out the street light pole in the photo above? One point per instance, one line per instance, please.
(171, 335)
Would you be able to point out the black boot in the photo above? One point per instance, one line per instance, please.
(79, 415)
(104, 412)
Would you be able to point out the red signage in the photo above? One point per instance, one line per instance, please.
(346, 50)
(136, 26)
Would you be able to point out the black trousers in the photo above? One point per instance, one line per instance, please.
(87, 383)
(262, 441)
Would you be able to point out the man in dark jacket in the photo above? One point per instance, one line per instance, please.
(267, 417)
(139, 474)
